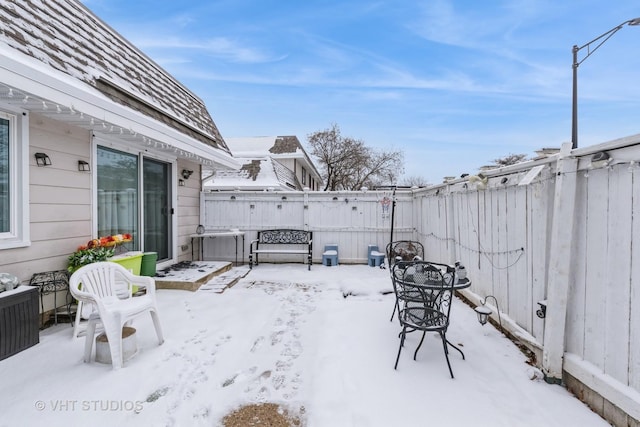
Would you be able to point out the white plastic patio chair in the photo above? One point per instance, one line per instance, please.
(108, 286)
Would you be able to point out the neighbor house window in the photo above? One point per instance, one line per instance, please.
(304, 176)
(14, 218)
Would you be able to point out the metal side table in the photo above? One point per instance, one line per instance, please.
(53, 282)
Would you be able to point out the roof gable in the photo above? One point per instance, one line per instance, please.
(65, 35)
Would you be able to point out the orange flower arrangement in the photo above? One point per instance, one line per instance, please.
(95, 250)
(107, 241)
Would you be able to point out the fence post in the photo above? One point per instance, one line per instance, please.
(451, 229)
(559, 265)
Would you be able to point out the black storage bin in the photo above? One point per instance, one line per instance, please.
(18, 320)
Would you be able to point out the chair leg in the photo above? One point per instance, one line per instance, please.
(395, 307)
(156, 324)
(76, 323)
(402, 335)
(456, 347)
(419, 345)
(113, 330)
(446, 352)
(88, 342)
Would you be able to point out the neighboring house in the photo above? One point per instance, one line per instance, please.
(95, 139)
(277, 163)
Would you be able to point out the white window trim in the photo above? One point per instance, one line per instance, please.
(18, 235)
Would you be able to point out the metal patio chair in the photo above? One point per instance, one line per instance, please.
(424, 291)
(402, 250)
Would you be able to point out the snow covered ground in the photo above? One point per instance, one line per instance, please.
(287, 335)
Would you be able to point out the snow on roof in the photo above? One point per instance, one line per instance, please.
(255, 174)
(69, 38)
(262, 146)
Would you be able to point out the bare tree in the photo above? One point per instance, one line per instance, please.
(414, 181)
(509, 160)
(348, 164)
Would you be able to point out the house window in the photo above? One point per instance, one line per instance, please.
(14, 218)
(304, 176)
(5, 179)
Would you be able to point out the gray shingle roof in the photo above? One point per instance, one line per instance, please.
(65, 35)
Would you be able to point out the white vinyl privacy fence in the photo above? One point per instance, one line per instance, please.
(555, 233)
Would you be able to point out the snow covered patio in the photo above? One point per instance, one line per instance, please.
(318, 342)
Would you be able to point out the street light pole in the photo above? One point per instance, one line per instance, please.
(574, 102)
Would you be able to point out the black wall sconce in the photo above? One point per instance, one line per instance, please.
(42, 159)
(83, 166)
(181, 183)
(186, 173)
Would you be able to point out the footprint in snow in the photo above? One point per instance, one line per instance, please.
(257, 344)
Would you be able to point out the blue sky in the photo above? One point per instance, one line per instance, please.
(453, 84)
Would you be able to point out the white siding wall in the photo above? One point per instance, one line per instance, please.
(60, 202)
(188, 209)
(60, 199)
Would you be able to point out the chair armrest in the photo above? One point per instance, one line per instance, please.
(146, 282)
(251, 245)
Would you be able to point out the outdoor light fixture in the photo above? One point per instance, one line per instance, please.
(42, 159)
(181, 183)
(83, 166)
(576, 63)
(186, 173)
(484, 312)
(600, 159)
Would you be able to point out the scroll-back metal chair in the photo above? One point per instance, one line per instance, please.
(402, 250)
(424, 291)
(109, 286)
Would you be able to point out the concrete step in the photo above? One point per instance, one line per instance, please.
(222, 282)
(190, 275)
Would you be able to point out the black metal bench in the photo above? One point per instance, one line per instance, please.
(276, 239)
